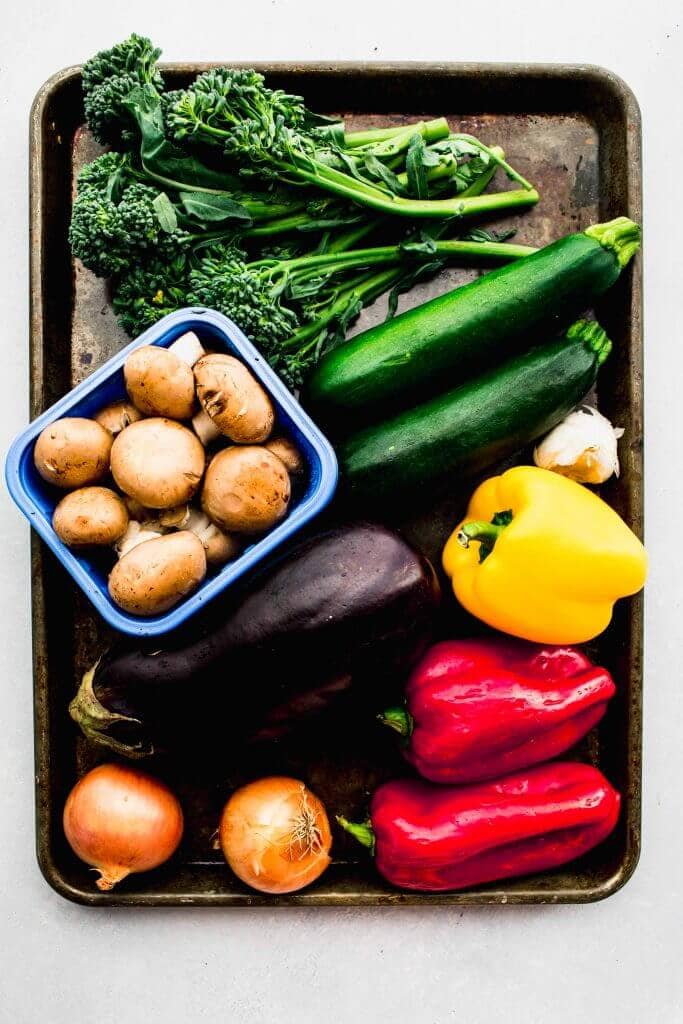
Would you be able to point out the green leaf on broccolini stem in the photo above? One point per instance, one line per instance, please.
(418, 158)
(208, 208)
(408, 280)
(480, 235)
(165, 212)
(423, 244)
(330, 134)
(379, 171)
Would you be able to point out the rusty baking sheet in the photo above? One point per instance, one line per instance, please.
(575, 132)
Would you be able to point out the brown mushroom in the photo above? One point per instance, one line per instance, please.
(90, 515)
(73, 452)
(117, 416)
(288, 453)
(158, 462)
(246, 489)
(155, 575)
(159, 383)
(233, 398)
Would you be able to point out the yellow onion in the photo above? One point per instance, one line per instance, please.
(275, 835)
(121, 821)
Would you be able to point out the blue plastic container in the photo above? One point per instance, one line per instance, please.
(37, 499)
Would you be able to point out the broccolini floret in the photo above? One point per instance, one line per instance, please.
(149, 291)
(108, 79)
(117, 219)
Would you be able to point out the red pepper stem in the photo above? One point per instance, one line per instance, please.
(362, 831)
(398, 719)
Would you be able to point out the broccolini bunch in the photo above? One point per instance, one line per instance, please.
(200, 174)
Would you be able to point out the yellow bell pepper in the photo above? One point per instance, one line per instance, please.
(542, 557)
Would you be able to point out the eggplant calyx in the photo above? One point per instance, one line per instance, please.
(94, 720)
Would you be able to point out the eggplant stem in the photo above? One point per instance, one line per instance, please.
(94, 719)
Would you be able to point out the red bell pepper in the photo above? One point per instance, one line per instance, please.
(437, 838)
(477, 709)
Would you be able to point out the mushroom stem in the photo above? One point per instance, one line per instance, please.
(135, 509)
(219, 547)
(204, 427)
(188, 347)
(134, 535)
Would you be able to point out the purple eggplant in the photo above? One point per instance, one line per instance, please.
(351, 604)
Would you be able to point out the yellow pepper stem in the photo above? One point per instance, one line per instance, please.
(486, 534)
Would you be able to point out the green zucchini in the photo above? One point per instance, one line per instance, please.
(465, 431)
(445, 341)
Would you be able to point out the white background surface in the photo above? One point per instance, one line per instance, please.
(618, 962)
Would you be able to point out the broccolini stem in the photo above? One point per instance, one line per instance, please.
(493, 152)
(431, 131)
(398, 143)
(366, 289)
(306, 168)
(389, 255)
(479, 184)
(350, 188)
(278, 226)
(347, 239)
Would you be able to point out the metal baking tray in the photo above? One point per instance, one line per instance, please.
(575, 132)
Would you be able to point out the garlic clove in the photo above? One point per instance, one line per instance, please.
(583, 447)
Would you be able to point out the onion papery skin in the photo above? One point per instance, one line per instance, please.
(122, 821)
(275, 835)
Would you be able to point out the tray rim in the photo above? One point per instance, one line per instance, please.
(633, 152)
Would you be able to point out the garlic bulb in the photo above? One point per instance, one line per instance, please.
(583, 447)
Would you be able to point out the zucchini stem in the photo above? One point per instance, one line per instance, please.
(593, 337)
(621, 236)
